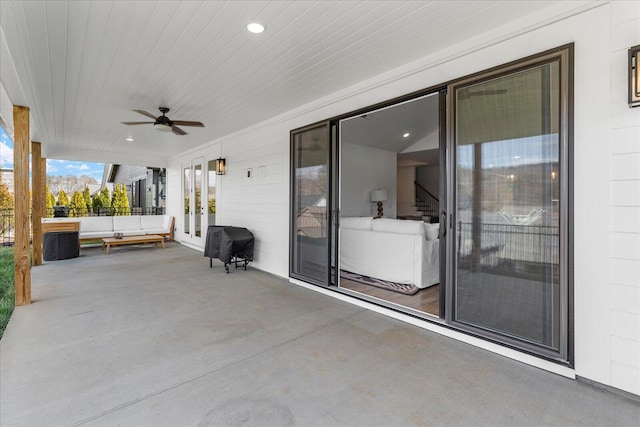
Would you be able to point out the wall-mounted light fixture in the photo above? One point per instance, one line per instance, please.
(634, 76)
(221, 166)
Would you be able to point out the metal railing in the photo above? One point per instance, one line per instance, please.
(7, 227)
(7, 230)
(58, 211)
(426, 202)
(495, 244)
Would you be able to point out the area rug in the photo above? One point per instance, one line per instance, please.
(379, 283)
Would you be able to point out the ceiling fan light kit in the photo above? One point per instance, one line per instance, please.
(163, 123)
(162, 127)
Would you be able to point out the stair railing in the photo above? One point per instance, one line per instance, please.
(426, 202)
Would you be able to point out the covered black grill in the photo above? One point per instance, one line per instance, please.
(231, 245)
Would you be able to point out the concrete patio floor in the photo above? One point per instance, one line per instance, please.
(152, 337)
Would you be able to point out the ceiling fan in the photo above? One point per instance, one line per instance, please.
(164, 123)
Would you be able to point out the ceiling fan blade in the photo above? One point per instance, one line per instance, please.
(144, 113)
(136, 123)
(175, 129)
(187, 123)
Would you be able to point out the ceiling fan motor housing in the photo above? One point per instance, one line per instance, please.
(162, 122)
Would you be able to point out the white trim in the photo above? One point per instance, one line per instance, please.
(476, 342)
(191, 246)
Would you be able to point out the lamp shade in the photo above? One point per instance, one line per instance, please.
(378, 195)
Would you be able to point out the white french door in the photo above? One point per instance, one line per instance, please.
(194, 202)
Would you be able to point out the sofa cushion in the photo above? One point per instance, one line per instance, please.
(151, 221)
(126, 223)
(156, 231)
(96, 234)
(356, 222)
(398, 226)
(432, 230)
(91, 224)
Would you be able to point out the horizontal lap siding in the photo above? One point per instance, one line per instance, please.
(259, 203)
(624, 143)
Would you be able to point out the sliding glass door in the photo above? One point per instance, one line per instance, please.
(491, 258)
(509, 205)
(310, 203)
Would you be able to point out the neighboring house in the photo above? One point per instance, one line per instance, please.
(145, 186)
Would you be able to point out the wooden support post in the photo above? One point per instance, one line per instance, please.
(37, 196)
(21, 193)
(43, 185)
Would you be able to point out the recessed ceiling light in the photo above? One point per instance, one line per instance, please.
(255, 27)
(516, 157)
(129, 139)
(406, 135)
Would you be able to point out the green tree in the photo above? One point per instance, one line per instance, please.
(50, 202)
(78, 206)
(105, 196)
(6, 198)
(96, 202)
(87, 198)
(120, 202)
(63, 199)
(6, 202)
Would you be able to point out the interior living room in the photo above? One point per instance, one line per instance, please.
(390, 174)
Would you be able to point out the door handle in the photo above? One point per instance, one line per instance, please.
(443, 224)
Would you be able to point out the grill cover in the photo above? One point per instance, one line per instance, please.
(225, 242)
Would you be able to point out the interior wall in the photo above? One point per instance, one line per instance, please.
(606, 257)
(429, 178)
(364, 169)
(405, 189)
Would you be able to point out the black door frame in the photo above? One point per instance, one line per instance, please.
(447, 219)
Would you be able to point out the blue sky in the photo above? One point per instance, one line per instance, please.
(54, 167)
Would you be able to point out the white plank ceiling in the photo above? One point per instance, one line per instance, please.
(82, 66)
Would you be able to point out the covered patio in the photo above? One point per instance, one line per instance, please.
(152, 337)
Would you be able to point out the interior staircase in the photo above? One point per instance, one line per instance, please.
(426, 204)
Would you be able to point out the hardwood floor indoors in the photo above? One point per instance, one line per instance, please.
(426, 300)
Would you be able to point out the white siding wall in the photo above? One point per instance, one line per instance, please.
(172, 198)
(607, 241)
(624, 265)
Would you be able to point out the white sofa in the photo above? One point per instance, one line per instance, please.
(396, 250)
(97, 227)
